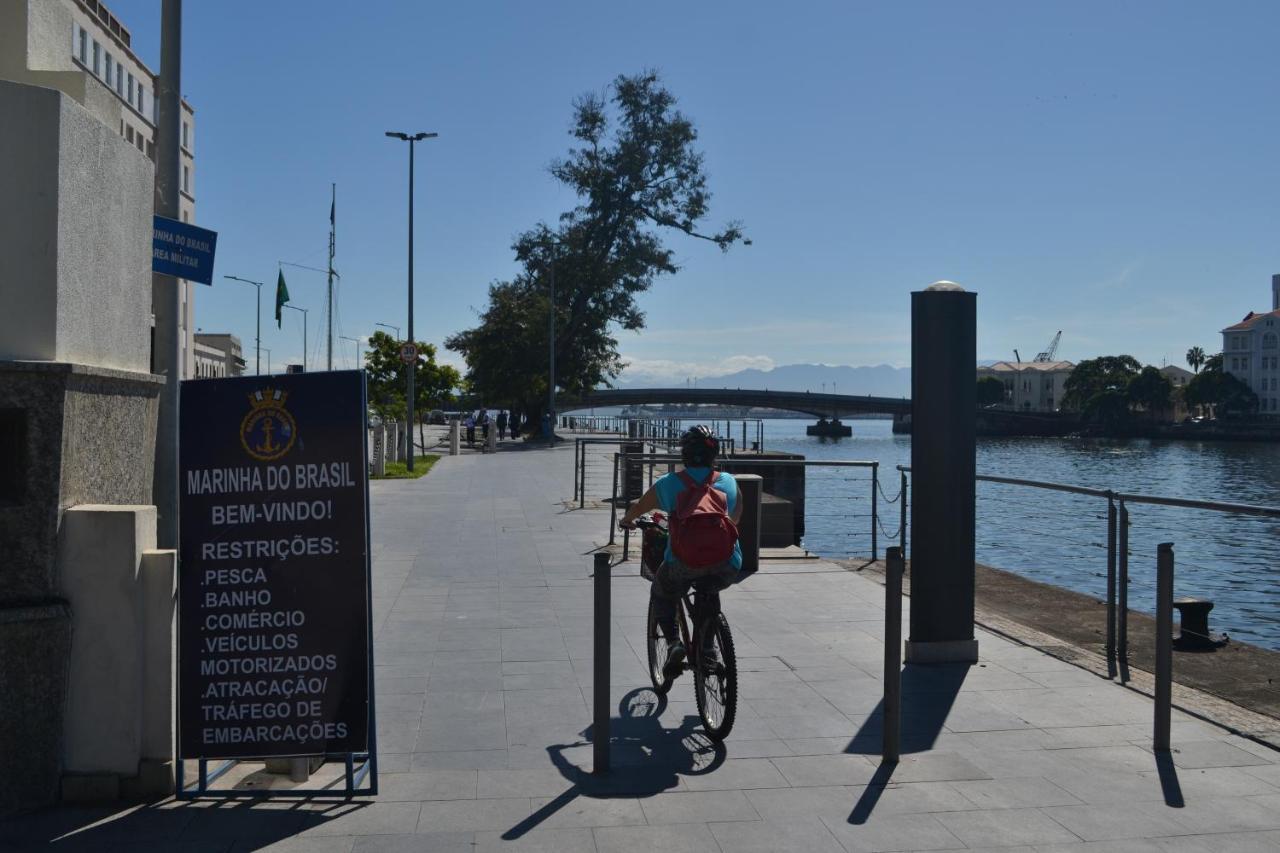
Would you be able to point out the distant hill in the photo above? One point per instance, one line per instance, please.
(879, 381)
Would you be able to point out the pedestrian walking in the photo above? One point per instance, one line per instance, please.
(513, 424)
(471, 428)
(484, 424)
(502, 423)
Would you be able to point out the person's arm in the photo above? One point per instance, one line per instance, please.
(647, 503)
(736, 515)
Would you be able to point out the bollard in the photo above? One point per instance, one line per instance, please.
(1111, 588)
(380, 450)
(894, 568)
(455, 438)
(875, 485)
(1164, 646)
(613, 500)
(491, 443)
(1122, 592)
(393, 441)
(600, 668)
(902, 516)
(751, 493)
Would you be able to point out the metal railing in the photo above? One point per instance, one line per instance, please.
(629, 462)
(1115, 544)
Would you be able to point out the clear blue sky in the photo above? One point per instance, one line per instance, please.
(1108, 169)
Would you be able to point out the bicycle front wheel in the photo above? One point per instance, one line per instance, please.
(715, 678)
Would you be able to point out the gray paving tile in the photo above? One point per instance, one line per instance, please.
(826, 770)
(473, 815)
(698, 807)
(537, 841)
(684, 838)
(893, 832)
(783, 835)
(1016, 793)
(1005, 827)
(588, 811)
(427, 785)
(738, 774)
(364, 819)
(435, 842)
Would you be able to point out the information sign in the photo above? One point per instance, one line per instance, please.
(183, 250)
(408, 353)
(273, 610)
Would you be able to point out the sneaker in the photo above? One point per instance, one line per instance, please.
(675, 658)
(710, 658)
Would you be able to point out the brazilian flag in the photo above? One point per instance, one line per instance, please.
(282, 296)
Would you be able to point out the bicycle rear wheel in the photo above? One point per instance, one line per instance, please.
(716, 682)
(658, 649)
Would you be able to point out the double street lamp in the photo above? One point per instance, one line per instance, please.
(257, 340)
(304, 333)
(411, 139)
(389, 326)
(355, 341)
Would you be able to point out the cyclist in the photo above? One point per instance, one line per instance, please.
(698, 451)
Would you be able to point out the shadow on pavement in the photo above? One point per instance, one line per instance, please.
(1169, 784)
(247, 823)
(646, 758)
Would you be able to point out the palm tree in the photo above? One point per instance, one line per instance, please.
(1195, 358)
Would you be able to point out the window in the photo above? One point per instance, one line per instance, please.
(97, 57)
(186, 135)
(142, 100)
(131, 89)
(1269, 340)
(84, 47)
(1235, 363)
(120, 80)
(186, 179)
(109, 65)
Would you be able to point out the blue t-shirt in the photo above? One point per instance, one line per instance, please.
(669, 486)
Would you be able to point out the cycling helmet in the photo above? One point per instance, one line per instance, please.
(699, 447)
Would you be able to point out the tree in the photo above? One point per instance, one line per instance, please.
(1215, 389)
(990, 391)
(1151, 390)
(1097, 387)
(636, 174)
(434, 384)
(1195, 358)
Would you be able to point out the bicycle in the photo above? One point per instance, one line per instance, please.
(715, 680)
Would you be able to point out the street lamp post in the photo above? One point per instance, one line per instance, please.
(551, 377)
(355, 341)
(268, 360)
(257, 335)
(304, 333)
(411, 139)
(389, 326)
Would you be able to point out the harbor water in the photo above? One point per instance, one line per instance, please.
(1060, 538)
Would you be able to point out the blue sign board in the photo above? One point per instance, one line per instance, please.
(183, 250)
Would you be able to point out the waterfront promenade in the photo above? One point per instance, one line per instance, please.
(483, 649)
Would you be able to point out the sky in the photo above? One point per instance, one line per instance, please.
(1107, 169)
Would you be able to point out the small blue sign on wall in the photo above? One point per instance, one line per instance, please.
(183, 250)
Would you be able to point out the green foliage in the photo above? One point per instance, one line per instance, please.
(434, 384)
(1195, 358)
(635, 172)
(1097, 387)
(400, 470)
(990, 391)
(1151, 390)
(1214, 388)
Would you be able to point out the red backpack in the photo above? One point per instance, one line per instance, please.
(702, 534)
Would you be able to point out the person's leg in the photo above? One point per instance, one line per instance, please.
(664, 591)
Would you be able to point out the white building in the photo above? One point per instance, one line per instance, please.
(1251, 352)
(1031, 386)
(218, 354)
(81, 49)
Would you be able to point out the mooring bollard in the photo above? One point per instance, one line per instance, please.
(1164, 646)
(895, 567)
(600, 667)
(1122, 592)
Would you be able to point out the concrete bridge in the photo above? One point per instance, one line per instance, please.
(818, 405)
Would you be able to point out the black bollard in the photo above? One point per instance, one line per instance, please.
(894, 567)
(943, 448)
(600, 668)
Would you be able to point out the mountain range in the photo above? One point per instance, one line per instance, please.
(878, 381)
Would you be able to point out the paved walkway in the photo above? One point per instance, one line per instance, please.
(483, 620)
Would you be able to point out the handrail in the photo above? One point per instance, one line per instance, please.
(1126, 497)
(763, 460)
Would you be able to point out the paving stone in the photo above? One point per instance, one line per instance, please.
(434, 842)
(698, 807)
(1005, 827)
(537, 841)
(893, 832)
(783, 835)
(684, 838)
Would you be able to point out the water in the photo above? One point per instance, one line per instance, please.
(1061, 538)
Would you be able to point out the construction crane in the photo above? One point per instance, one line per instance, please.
(1051, 350)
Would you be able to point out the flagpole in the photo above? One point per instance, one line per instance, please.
(333, 207)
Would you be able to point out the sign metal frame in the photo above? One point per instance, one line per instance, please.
(360, 768)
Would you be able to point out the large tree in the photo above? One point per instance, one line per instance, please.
(1151, 390)
(1098, 388)
(637, 173)
(1215, 389)
(1195, 358)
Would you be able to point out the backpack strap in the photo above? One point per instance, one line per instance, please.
(712, 477)
(686, 479)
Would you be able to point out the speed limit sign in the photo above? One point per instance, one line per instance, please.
(408, 353)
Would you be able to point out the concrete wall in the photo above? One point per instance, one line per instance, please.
(75, 235)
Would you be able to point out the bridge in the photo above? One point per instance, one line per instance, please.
(818, 405)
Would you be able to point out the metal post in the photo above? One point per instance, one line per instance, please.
(600, 668)
(577, 446)
(166, 303)
(1111, 588)
(613, 501)
(894, 568)
(902, 520)
(551, 376)
(412, 368)
(1164, 646)
(1122, 593)
(875, 483)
